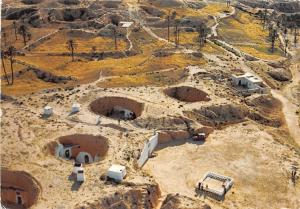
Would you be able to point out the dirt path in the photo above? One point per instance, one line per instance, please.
(217, 19)
(290, 102)
(133, 10)
(129, 40)
(289, 109)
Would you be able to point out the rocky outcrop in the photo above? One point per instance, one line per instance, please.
(49, 77)
(218, 115)
(164, 3)
(69, 2)
(153, 11)
(287, 7)
(32, 1)
(137, 196)
(177, 201)
(17, 13)
(72, 14)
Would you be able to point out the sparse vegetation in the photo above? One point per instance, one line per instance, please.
(246, 33)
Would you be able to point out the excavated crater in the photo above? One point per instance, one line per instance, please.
(187, 94)
(117, 108)
(18, 189)
(83, 148)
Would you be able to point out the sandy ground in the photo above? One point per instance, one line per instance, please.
(243, 152)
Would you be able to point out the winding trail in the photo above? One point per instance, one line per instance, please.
(289, 108)
(290, 103)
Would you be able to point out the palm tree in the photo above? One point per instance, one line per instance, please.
(202, 31)
(3, 64)
(15, 28)
(176, 32)
(24, 31)
(295, 35)
(11, 53)
(274, 36)
(286, 44)
(4, 37)
(168, 21)
(71, 46)
(115, 38)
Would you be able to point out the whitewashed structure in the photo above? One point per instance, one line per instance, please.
(248, 83)
(148, 149)
(215, 184)
(48, 110)
(77, 167)
(75, 108)
(84, 157)
(126, 24)
(116, 172)
(124, 113)
(80, 175)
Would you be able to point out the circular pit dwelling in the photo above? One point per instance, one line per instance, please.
(83, 148)
(187, 94)
(18, 189)
(117, 108)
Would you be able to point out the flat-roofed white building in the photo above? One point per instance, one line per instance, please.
(48, 111)
(249, 83)
(116, 172)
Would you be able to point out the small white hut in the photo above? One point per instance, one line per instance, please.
(48, 111)
(75, 108)
(77, 167)
(80, 174)
(116, 172)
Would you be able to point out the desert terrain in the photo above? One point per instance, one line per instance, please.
(138, 69)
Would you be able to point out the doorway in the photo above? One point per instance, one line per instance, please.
(19, 200)
(67, 153)
(86, 159)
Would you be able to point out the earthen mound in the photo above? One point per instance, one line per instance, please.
(72, 14)
(17, 13)
(18, 189)
(32, 1)
(280, 74)
(83, 148)
(153, 11)
(117, 107)
(218, 115)
(162, 123)
(166, 3)
(69, 2)
(266, 110)
(176, 201)
(187, 94)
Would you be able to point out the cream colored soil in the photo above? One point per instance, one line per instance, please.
(244, 153)
(247, 152)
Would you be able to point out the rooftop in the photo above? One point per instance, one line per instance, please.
(116, 168)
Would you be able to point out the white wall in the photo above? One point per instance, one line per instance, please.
(149, 147)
